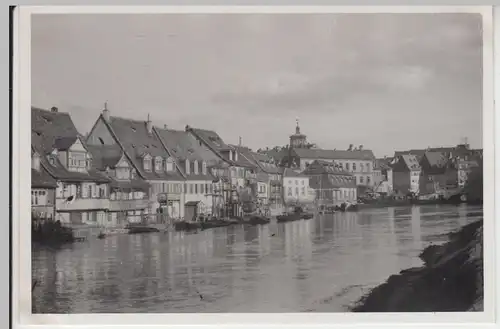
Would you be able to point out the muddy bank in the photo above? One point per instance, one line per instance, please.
(451, 279)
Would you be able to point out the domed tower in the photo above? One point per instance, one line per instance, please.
(298, 140)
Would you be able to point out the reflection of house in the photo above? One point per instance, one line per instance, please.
(234, 173)
(333, 185)
(128, 193)
(295, 187)
(82, 192)
(43, 189)
(406, 173)
(195, 161)
(148, 157)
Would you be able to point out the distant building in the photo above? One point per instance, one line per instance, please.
(296, 188)
(333, 185)
(406, 174)
(383, 176)
(82, 193)
(356, 160)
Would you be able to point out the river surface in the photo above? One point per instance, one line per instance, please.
(324, 264)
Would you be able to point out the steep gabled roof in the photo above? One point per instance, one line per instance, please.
(42, 179)
(105, 156)
(137, 142)
(333, 154)
(54, 129)
(408, 161)
(325, 167)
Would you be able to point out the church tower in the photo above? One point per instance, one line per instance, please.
(298, 140)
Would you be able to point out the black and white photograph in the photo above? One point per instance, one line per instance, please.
(258, 162)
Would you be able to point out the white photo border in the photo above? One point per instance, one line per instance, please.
(21, 252)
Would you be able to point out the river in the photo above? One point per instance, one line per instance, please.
(320, 265)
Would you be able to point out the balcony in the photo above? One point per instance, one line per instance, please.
(119, 205)
(82, 204)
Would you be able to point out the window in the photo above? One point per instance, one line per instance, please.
(204, 167)
(303, 191)
(191, 188)
(185, 188)
(35, 161)
(354, 167)
(158, 164)
(362, 167)
(368, 167)
(202, 188)
(188, 167)
(347, 166)
(169, 164)
(195, 167)
(289, 191)
(147, 163)
(368, 179)
(345, 194)
(195, 188)
(361, 179)
(296, 191)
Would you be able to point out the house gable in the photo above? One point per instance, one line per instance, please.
(100, 134)
(123, 163)
(77, 146)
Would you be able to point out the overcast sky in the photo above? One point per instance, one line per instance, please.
(387, 81)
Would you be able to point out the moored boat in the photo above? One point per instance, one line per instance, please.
(258, 220)
(142, 229)
(288, 217)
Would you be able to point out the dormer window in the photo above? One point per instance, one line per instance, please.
(158, 164)
(204, 167)
(188, 167)
(169, 164)
(147, 163)
(35, 161)
(196, 167)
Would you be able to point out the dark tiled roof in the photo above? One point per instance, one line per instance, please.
(333, 154)
(321, 167)
(410, 161)
(245, 158)
(53, 129)
(104, 156)
(288, 172)
(436, 159)
(262, 177)
(47, 127)
(41, 179)
(330, 181)
(183, 145)
(383, 164)
(137, 142)
(215, 143)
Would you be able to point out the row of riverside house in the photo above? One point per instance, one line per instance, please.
(429, 172)
(125, 170)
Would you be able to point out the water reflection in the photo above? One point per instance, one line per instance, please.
(319, 264)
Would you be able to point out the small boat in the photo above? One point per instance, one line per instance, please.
(288, 217)
(307, 216)
(142, 229)
(258, 220)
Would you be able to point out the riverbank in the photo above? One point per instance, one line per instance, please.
(451, 279)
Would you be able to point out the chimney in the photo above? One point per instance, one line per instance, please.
(149, 125)
(350, 147)
(105, 112)
(54, 109)
(239, 142)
